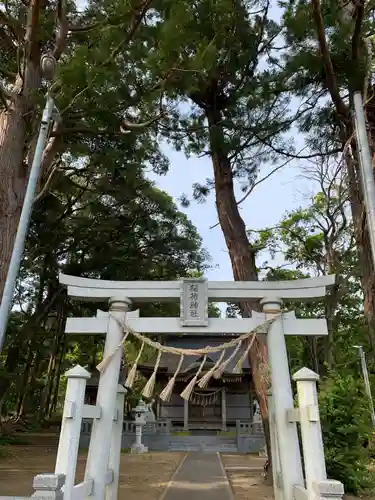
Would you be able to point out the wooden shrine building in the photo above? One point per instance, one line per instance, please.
(217, 407)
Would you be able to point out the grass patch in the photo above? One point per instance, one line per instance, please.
(9, 440)
(181, 433)
(4, 452)
(226, 433)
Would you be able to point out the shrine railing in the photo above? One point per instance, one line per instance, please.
(128, 427)
(249, 428)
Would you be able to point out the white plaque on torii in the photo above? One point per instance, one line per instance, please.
(194, 302)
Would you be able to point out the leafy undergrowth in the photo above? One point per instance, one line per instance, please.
(347, 431)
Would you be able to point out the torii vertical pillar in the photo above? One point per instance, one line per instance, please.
(282, 395)
(100, 442)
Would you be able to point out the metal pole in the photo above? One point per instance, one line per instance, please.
(366, 380)
(365, 164)
(19, 243)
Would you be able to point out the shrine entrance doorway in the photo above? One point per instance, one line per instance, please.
(205, 410)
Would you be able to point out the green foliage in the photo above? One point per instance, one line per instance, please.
(346, 426)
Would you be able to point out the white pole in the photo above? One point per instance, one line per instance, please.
(23, 226)
(366, 381)
(365, 164)
(100, 442)
(282, 396)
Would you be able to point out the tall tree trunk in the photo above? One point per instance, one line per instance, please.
(358, 209)
(32, 376)
(50, 375)
(14, 175)
(241, 253)
(347, 137)
(25, 334)
(24, 387)
(16, 134)
(56, 383)
(47, 393)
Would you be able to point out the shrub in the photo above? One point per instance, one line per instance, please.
(4, 452)
(346, 426)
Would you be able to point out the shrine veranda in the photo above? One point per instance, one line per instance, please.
(107, 412)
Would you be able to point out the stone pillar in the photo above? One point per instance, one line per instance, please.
(311, 432)
(282, 396)
(100, 443)
(317, 484)
(186, 415)
(67, 452)
(116, 442)
(157, 408)
(224, 409)
(276, 469)
(251, 400)
(48, 487)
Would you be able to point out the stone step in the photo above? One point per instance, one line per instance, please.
(206, 439)
(202, 445)
(207, 444)
(205, 449)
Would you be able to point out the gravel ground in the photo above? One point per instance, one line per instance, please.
(142, 477)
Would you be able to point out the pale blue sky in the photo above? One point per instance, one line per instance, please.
(283, 191)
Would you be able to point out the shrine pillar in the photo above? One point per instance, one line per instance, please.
(282, 396)
(100, 442)
(186, 415)
(224, 409)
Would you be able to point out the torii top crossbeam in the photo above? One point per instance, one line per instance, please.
(220, 291)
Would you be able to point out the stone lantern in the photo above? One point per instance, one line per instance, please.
(140, 421)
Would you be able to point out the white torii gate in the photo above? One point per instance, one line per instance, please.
(194, 294)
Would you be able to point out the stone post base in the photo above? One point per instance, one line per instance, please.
(139, 448)
(263, 452)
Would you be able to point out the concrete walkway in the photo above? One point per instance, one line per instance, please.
(200, 476)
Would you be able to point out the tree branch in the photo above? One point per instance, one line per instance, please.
(251, 189)
(31, 32)
(273, 171)
(62, 29)
(12, 24)
(10, 42)
(330, 75)
(356, 39)
(127, 126)
(61, 131)
(85, 29)
(6, 73)
(138, 16)
(40, 195)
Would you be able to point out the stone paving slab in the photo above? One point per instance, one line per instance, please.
(201, 476)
